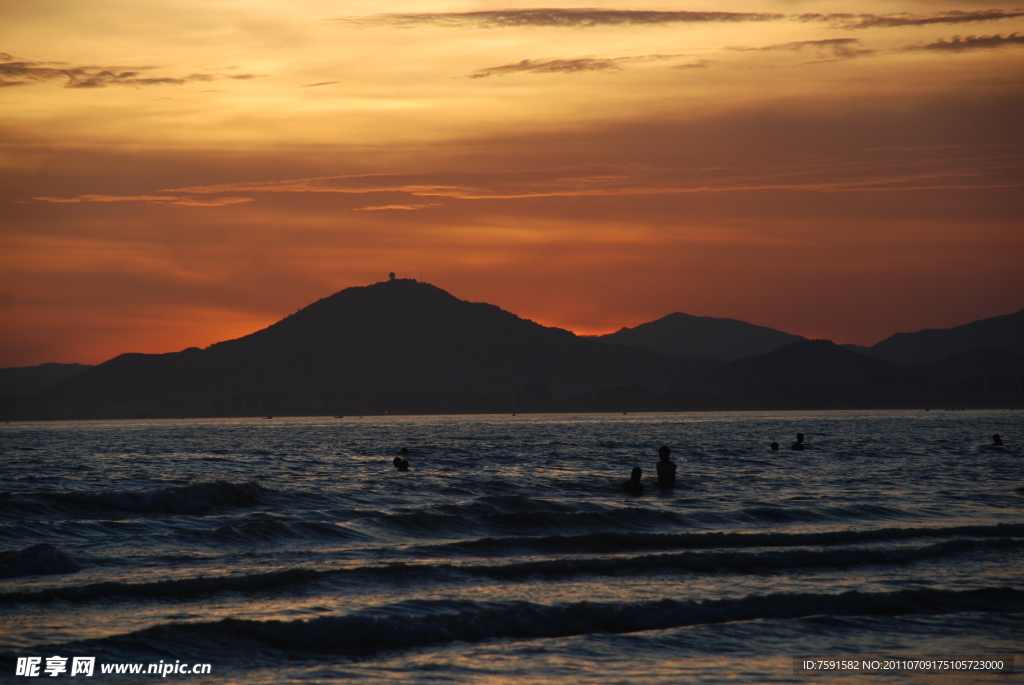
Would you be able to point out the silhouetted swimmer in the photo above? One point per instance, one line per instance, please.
(997, 441)
(404, 451)
(666, 468)
(400, 464)
(775, 447)
(799, 444)
(633, 486)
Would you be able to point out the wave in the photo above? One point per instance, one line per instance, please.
(777, 514)
(194, 498)
(426, 623)
(42, 559)
(274, 530)
(741, 562)
(686, 562)
(611, 542)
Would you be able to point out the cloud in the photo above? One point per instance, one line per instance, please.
(885, 173)
(699, 64)
(379, 208)
(150, 199)
(552, 66)
(321, 83)
(959, 44)
(865, 21)
(566, 66)
(839, 48)
(15, 73)
(559, 17)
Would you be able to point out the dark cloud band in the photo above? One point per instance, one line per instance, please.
(837, 48)
(867, 21)
(562, 17)
(959, 44)
(16, 73)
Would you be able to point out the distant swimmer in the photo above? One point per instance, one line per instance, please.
(775, 447)
(404, 451)
(666, 469)
(799, 444)
(633, 486)
(400, 464)
(997, 441)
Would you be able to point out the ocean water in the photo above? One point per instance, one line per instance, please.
(291, 550)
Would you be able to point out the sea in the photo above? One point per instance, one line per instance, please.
(291, 550)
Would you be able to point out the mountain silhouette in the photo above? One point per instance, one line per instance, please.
(931, 345)
(28, 380)
(983, 366)
(402, 346)
(395, 345)
(704, 337)
(808, 374)
(807, 363)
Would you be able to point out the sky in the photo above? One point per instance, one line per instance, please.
(175, 173)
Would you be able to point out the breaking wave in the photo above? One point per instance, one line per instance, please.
(425, 623)
(194, 498)
(42, 559)
(685, 562)
(611, 542)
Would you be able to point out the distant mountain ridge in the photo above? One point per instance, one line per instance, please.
(28, 380)
(708, 337)
(394, 345)
(704, 337)
(931, 345)
(401, 346)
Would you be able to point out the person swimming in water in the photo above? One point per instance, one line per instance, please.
(666, 468)
(774, 446)
(997, 441)
(633, 486)
(400, 464)
(798, 446)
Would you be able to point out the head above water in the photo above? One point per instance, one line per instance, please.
(775, 447)
(996, 440)
(635, 473)
(663, 452)
(799, 437)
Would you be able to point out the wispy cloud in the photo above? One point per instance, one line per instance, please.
(566, 66)
(321, 83)
(551, 66)
(883, 172)
(19, 72)
(150, 199)
(558, 17)
(590, 17)
(959, 44)
(381, 208)
(699, 64)
(866, 21)
(837, 48)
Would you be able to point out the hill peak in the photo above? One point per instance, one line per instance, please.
(705, 337)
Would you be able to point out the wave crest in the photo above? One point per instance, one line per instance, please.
(42, 559)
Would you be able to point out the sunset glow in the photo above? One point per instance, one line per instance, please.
(177, 173)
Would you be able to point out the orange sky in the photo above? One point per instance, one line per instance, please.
(177, 173)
